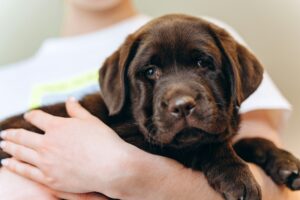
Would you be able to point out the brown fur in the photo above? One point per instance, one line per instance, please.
(174, 88)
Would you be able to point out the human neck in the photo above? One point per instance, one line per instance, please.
(79, 21)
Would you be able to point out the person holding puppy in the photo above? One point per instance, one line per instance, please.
(93, 30)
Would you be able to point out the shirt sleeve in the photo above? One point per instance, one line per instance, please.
(267, 96)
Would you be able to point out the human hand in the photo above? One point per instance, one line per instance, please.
(27, 189)
(77, 155)
(15, 187)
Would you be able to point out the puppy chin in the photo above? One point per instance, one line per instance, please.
(180, 139)
(183, 133)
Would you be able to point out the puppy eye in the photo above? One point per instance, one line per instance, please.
(152, 72)
(199, 63)
(205, 63)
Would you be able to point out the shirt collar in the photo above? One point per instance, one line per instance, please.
(87, 41)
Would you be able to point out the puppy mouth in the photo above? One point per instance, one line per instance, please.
(186, 132)
(188, 136)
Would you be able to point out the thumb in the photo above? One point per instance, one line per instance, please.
(75, 110)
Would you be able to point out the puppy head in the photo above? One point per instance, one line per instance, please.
(182, 78)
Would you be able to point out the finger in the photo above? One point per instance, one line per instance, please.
(71, 196)
(65, 195)
(22, 137)
(23, 169)
(74, 109)
(20, 152)
(93, 196)
(41, 119)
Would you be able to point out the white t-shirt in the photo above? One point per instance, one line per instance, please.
(66, 67)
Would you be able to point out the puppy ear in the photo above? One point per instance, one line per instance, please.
(245, 70)
(113, 76)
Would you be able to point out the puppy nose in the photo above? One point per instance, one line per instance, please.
(181, 106)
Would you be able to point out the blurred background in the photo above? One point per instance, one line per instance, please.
(270, 27)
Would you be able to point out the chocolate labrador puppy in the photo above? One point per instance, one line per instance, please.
(174, 88)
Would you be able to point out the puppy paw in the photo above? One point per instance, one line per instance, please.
(237, 183)
(283, 168)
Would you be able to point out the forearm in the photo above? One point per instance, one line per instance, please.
(260, 124)
(271, 191)
(156, 177)
(161, 179)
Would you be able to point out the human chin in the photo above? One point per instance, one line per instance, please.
(96, 5)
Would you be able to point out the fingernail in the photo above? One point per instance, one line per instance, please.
(4, 162)
(3, 134)
(73, 99)
(25, 115)
(2, 144)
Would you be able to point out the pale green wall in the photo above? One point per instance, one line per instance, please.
(271, 28)
(24, 25)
